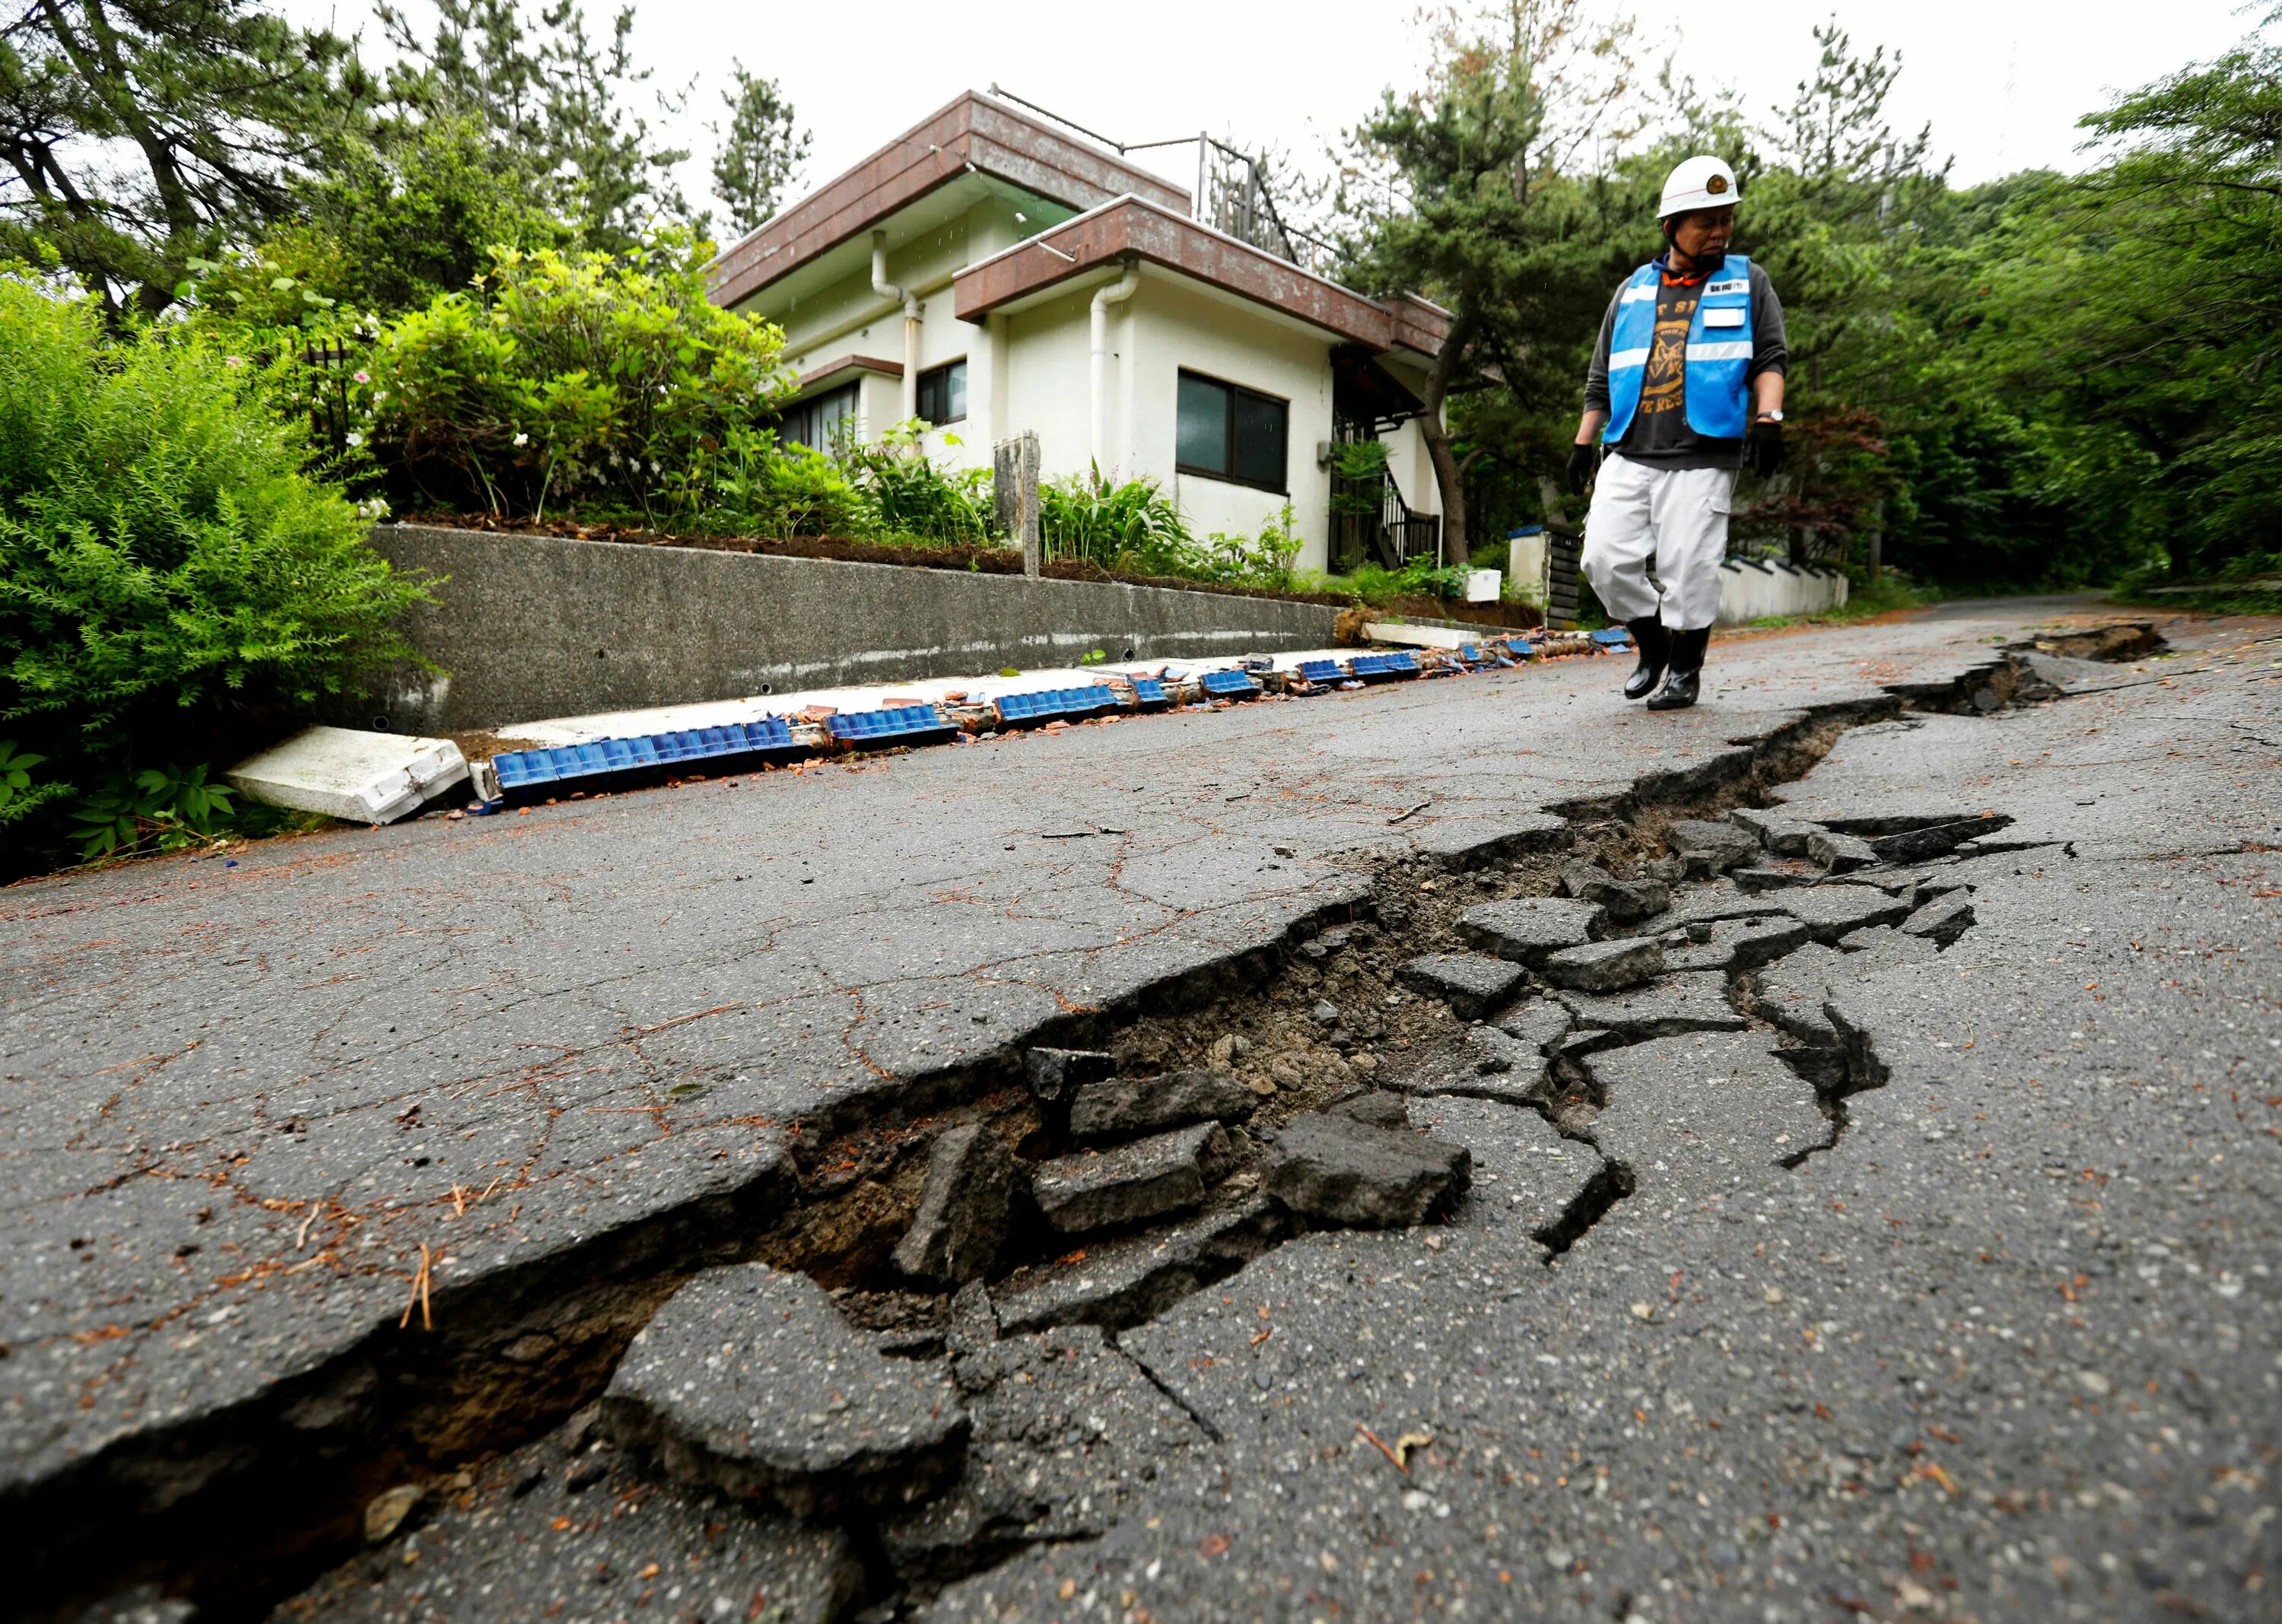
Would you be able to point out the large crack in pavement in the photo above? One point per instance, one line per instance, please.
(833, 1206)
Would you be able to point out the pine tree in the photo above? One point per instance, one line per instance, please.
(761, 151)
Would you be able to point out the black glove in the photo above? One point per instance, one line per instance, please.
(1762, 448)
(1584, 461)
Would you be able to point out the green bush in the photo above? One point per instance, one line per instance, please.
(903, 492)
(172, 582)
(1130, 527)
(612, 383)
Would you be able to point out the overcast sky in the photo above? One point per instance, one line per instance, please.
(2002, 82)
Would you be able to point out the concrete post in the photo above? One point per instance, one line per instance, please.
(1015, 482)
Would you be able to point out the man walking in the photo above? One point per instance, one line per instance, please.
(1687, 385)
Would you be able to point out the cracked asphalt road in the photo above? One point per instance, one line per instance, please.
(2005, 1347)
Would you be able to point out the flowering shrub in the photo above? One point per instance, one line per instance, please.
(569, 377)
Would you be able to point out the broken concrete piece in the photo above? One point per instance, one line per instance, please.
(748, 1381)
(1339, 1171)
(1128, 1183)
(1942, 920)
(344, 772)
(1626, 900)
(1120, 1107)
(1840, 853)
(1125, 1282)
(1695, 1002)
(1605, 966)
(1738, 944)
(1526, 930)
(1471, 983)
(1056, 1074)
(962, 1219)
(1705, 849)
(1829, 912)
(1792, 994)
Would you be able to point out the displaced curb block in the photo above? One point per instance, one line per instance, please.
(348, 773)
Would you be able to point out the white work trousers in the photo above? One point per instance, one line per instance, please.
(1676, 516)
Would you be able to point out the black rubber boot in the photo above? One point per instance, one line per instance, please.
(1681, 681)
(1655, 648)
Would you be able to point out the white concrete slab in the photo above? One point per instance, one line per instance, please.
(1405, 636)
(344, 772)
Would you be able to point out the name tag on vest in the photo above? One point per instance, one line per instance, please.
(1725, 315)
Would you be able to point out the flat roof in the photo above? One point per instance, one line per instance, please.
(975, 133)
(1133, 228)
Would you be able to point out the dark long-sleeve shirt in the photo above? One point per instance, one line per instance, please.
(1658, 433)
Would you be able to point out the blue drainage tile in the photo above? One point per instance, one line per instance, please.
(1384, 667)
(884, 729)
(1048, 704)
(1322, 673)
(1149, 693)
(1615, 637)
(589, 767)
(1228, 685)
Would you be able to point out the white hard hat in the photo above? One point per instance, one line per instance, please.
(1699, 182)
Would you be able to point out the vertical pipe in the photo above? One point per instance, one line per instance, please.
(1114, 293)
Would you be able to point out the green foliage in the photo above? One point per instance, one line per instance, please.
(19, 796)
(161, 808)
(561, 378)
(900, 490)
(1132, 525)
(171, 580)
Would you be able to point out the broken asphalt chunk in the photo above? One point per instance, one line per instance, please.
(1336, 1170)
(963, 1211)
(1472, 984)
(1934, 840)
(1523, 1170)
(1705, 849)
(1523, 931)
(1056, 1074)
(748, 1381)
(1606, 967)
(1126, 1183)
(1840, 853)
(1695, 1002)
(1536, 1021)
(1738, 944)
(1127, 1281)
(1942, 920)
(1778, 831)
(1120, 1107)
(1626, 900)
(1379, 1107)
(1829, 912)
(1700, 1110)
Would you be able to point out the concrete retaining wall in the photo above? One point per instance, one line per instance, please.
(535, 626)
(1750, 590)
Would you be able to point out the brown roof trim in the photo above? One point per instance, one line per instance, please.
(849, 363)
(974, 130)
(1134, 229)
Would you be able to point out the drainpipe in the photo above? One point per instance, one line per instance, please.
(885, 289)
(1114, 293)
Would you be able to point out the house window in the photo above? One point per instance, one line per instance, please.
(1231, 432)
(820, 420)
(942, 393)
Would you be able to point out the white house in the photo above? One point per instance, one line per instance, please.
(991, 272)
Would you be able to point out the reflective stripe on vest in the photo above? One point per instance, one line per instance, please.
(1718, 368)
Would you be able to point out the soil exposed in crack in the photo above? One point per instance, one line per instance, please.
(1305, 1022)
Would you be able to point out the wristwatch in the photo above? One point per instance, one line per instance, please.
(1772, 416)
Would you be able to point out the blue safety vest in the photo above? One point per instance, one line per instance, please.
(1718, 352)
